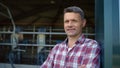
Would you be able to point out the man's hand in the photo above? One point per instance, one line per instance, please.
(82, 66)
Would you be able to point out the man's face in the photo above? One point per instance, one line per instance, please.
(73, 24)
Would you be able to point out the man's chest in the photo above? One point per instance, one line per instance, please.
(74, 56)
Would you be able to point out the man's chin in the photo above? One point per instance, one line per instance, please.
(71, 35)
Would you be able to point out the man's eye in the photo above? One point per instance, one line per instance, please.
(66, 21)
(74, 20)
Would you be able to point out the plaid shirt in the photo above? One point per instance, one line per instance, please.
(86, 51)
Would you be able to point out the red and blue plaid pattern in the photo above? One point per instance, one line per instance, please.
(86, 51)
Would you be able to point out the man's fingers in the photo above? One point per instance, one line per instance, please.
(82, 66)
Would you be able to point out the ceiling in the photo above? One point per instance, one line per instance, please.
(43, 12)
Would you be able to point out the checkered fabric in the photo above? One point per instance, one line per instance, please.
(85, 52)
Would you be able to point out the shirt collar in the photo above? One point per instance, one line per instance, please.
(80, 40)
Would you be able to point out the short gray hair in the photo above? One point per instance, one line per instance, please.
(75, 9)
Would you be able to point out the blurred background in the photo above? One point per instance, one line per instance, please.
(30, 28)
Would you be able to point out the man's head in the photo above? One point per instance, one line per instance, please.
(74, 9)
(74, 21)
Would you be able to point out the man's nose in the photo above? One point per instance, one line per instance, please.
(70, 23)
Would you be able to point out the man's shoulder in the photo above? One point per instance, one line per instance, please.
(59, 45)
(88, 40)
(91, 42)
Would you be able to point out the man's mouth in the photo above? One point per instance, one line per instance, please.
(70, 29)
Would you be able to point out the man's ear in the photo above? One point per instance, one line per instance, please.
(84, 22)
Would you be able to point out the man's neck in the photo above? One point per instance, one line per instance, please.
(72, 40)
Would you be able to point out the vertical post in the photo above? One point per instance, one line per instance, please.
(119, 22)
(103, 22)
(99, 27)
(116, 33)
(108, 37)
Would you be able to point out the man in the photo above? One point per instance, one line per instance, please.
(76, 51)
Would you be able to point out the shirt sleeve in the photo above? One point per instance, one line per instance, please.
(91, 57)
(49, 61)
